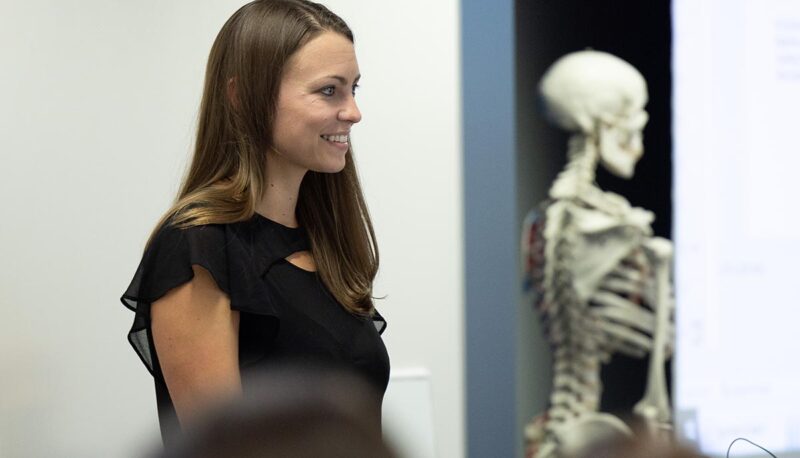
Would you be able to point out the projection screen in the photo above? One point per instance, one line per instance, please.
(736, 76)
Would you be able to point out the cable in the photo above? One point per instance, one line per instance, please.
(727, 455)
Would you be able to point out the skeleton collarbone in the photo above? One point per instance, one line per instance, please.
(599, 242)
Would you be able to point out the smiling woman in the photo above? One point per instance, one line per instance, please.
(268, 253)
(316, 106)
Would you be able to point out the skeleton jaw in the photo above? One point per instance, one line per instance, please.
(620, 150)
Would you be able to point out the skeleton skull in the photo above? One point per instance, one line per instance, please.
(601, 96)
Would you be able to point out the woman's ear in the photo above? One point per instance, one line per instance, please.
(232, 93)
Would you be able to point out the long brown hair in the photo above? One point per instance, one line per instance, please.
(226, 177)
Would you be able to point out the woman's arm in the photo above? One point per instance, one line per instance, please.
(195, 333)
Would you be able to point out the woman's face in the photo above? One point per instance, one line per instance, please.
(316, 106)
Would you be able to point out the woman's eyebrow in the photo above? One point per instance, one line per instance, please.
(342, 79)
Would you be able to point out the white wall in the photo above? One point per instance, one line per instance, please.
(97, 107)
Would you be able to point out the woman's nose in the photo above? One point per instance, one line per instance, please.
(350, 112)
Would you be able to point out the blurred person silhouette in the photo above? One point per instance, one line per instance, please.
(638, 445)
(268, 253)
(291, 411)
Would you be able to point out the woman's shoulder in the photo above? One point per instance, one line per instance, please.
(228, 250)
(170, 234)
(173, 250)
(205, 238)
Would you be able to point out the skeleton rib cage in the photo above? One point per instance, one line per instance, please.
(593, 276)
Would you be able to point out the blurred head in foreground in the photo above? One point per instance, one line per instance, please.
(291, 412)
(639, 447)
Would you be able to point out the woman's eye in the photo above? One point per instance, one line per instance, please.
(329, 90)
(355, 86)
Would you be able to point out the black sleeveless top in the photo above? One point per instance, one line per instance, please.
(286, 313)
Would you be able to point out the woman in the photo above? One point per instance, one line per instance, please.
(268, 253)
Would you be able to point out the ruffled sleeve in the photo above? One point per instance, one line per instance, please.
(167, 263)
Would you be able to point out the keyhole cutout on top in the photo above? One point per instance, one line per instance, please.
(302, 260)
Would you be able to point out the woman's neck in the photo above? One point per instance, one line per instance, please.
(283, 180)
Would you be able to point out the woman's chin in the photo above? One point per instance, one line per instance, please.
(331, 167)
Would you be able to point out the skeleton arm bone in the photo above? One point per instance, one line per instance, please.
(654, 406)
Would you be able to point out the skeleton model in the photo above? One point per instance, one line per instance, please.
(601, 279)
